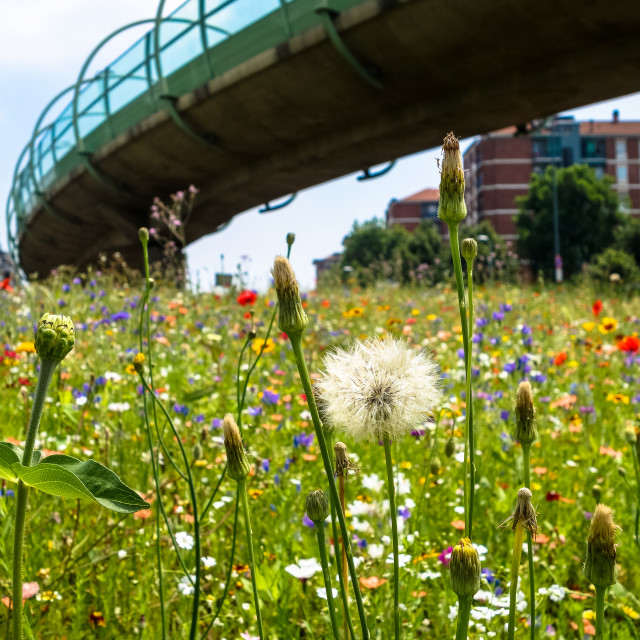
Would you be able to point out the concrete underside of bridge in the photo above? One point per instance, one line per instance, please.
(298, 115)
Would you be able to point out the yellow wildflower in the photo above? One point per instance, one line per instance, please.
(608, 325)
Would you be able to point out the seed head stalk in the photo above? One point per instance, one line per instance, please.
(513, 587)
(296, 345)
(394, 533)
(526, 451)
(464, 611)
(457, 268)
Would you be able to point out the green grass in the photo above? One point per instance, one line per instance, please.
(585, 403)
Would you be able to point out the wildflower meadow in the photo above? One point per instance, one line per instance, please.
(310, 465)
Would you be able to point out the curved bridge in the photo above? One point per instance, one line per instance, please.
(253, 100)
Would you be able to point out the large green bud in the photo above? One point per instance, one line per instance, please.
(55, 337)
(452, 208)
(291, 316)
(317, 506)
(237, 464)
(600, 563)
(526, 429)
(465, 569)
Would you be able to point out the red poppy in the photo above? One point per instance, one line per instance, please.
(630, 344)
(6, 285)
(247, 297)
(552, 496)
(560, 358)
(597, 307)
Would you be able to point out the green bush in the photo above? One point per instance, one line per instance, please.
(614, 261)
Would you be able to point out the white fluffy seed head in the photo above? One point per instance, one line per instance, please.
(378, 388)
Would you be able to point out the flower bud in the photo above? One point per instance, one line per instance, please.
(344, 464)
(600, 563)
(143, 234)
(291, 316)
(291, 238)
(622, 472)
(196, 452)
(449, 448)
(526, 430)
(317, 506)
(596, 492)
(465, 569)
(55, 337)
(524, 514)
(435, 465)
(452, 208)
(237, 464)
(469, 249)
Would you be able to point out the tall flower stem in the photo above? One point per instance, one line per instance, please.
(343, 564)
(322, 546)
(600, 593)
(457, 268)
(464, 611)
(342, 578)
(296, 344)
(242, 491)
(526, 455)
(47, 368)
(513, 587)
(394, 533)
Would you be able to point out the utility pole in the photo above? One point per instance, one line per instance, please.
(556, 228)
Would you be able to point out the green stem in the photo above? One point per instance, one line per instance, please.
(319, 527)
(47, 368)
(526, 454)
(636, 468)
(242, 491)
(296, 344)
(600, 593)
(394, 533)
(464, 610)
(518, 539)
(343, 586)
(457, 268)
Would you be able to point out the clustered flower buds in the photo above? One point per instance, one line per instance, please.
(237, 464)
(317, 506)
(291, 316)
(465, 569)
(55, 337)
(452, 208)
(600, 564)
(469, 249)
(526, 430)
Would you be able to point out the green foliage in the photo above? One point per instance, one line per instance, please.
(376, 252)
(627, 238)
(614, 261)
(587, 214)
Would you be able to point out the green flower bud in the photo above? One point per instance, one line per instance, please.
(469, 249)
(526, 430)
(465, 569)
(449, 448)
(452, 208)
(291, 316)
(600, 563)
(622, 472)
(317, 506)
(55, 337)
(237, 464)
(143, 234)
(435, 465)
(196, 452)
(291, 238)
(596, 492)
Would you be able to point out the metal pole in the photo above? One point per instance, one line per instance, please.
(556, 229)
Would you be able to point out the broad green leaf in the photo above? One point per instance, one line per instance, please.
(8, 458)
(9, 455)
(68, 477)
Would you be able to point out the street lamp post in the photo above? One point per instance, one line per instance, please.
(557, 260)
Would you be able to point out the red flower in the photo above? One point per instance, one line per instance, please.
(552, 496)
(560, 358)
(630, 344)
(597, 307)
(247, 297)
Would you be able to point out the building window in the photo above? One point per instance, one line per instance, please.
(480, 203)
(593, 148)
(599, 169)
(622, 173)
(428, 209)
(621, 148)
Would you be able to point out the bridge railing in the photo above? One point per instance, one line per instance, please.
(179, 53)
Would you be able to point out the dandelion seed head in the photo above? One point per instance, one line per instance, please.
(378, 388)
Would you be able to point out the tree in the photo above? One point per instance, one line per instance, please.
(587, 217)
(627, 238)
(496, 256)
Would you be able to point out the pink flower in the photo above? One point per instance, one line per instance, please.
(445, 556)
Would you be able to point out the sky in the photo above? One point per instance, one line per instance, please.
(43, 44)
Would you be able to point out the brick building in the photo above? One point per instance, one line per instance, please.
(411, 210)
(498, 166)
